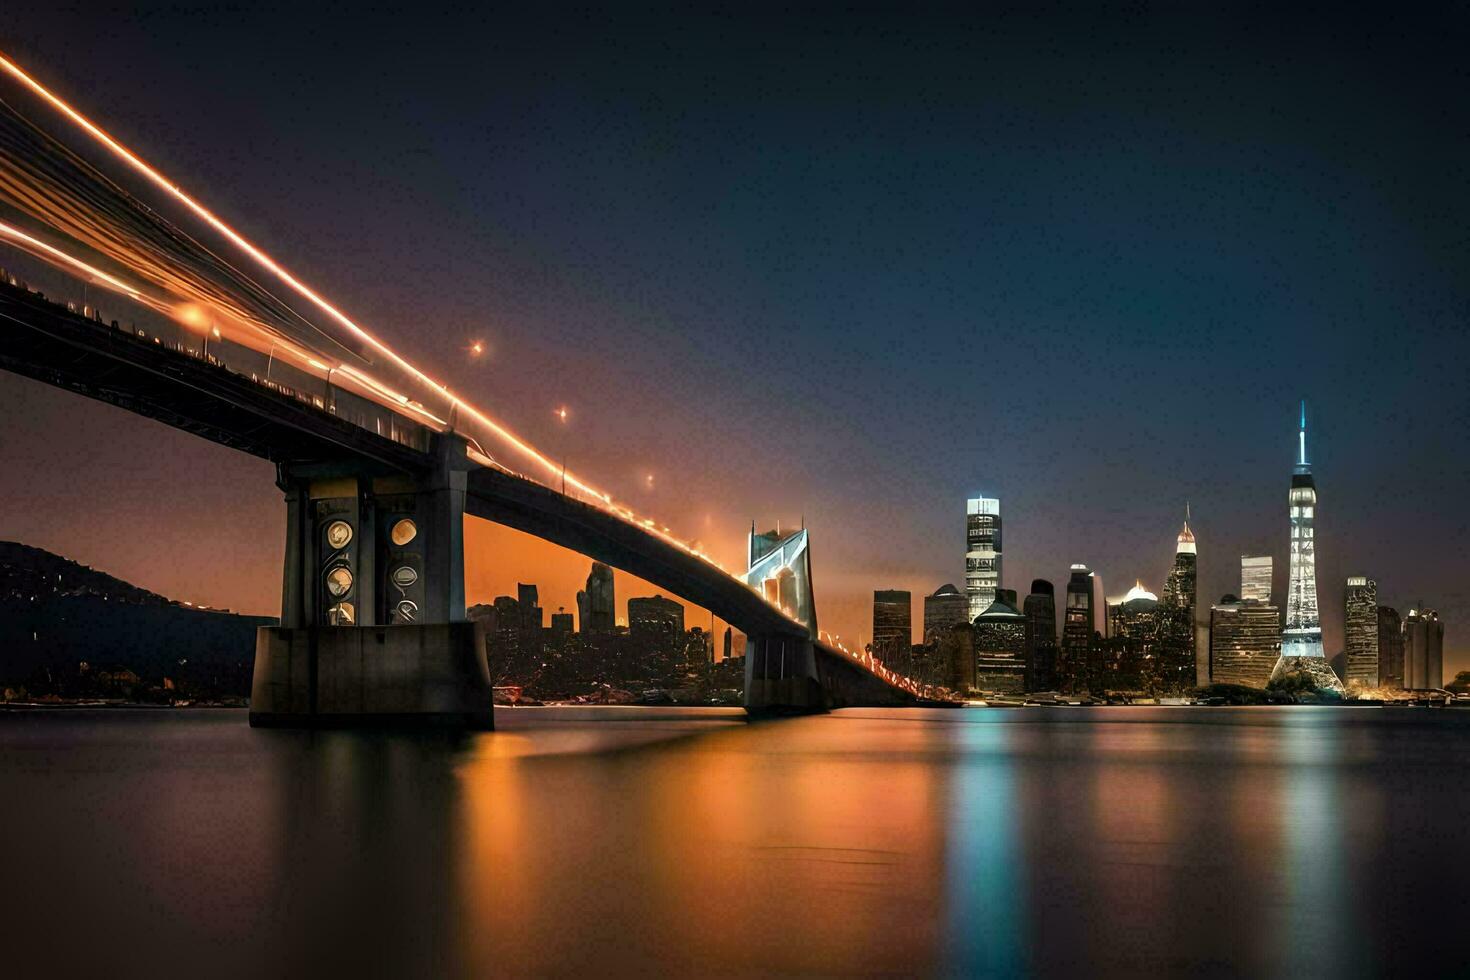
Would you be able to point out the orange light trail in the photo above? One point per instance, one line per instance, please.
(215, 222)
(187, 313)
(97, 275)
(163, 183)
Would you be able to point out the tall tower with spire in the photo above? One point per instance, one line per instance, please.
(1176, 648)
(1302, 636)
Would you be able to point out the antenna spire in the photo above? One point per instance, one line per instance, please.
(1301, 438)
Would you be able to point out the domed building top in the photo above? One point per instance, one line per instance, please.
(1139, 592)
(999, 611)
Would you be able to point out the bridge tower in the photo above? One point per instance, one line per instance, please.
(373, 627)
(781, 675)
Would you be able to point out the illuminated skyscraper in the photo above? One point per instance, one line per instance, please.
(1302, 636)
(1080, 620)
(1255, 578)
(1245, 641)
(1360, 631)
(1176, 634)
(1000, 642)
(982, 553)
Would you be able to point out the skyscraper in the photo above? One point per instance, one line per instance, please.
(892, 624)
(1078, 625)
(1302, 636)
(1360, 631)
(1255, 578)
(943, 610)
(1000, 639)
(530, 606)
(982, 553)
(1245, 641)
(1423, 650)
(1040, 609)
(1390, 648)
(1176, 636)
(596, 605)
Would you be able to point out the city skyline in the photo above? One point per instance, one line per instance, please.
(1087, 476)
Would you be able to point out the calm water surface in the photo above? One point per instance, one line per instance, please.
(614, 842)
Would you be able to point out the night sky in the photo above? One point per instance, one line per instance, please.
(851, 268)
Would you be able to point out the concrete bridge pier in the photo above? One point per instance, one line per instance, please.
(373, 628)
(781, 676)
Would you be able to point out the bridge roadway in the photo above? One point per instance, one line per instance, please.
(50, 343)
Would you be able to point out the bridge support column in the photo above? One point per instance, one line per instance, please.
(781, 677)
(373, 627)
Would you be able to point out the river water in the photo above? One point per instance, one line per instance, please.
(621, 842)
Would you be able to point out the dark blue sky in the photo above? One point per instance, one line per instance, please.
(852, 267)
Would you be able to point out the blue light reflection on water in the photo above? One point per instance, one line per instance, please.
(985, 901)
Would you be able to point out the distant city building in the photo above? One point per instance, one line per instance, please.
(596, 605)
(955, 657)
(530, 608)
(1040, 610)
(1175, 650)
(1245, 641)
(1080, 621)
(1255, 578)
(1302, 636)
(1000, 648)
(943, 610)
(1423, 650)
(563, 623)
(1135, 614)
(982, 553)
(1360, 631)
(507, 613)
(655, 615)
(892, 624)
(1390, 649)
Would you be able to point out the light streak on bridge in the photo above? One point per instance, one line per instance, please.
(183, 280)
(373, 385)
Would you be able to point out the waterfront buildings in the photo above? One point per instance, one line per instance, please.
(1360, 631)
(655, 615)
(1135, 615)
(1423, 650)
(595, 605)
(1175, 647)
(982, 553)
(530, 606)
(1080, 621)
(1000, 647)
(1390, 648)
(946, 608)
(892, 624)
(1245, 641)
(1302, 636)
(1040, 610)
